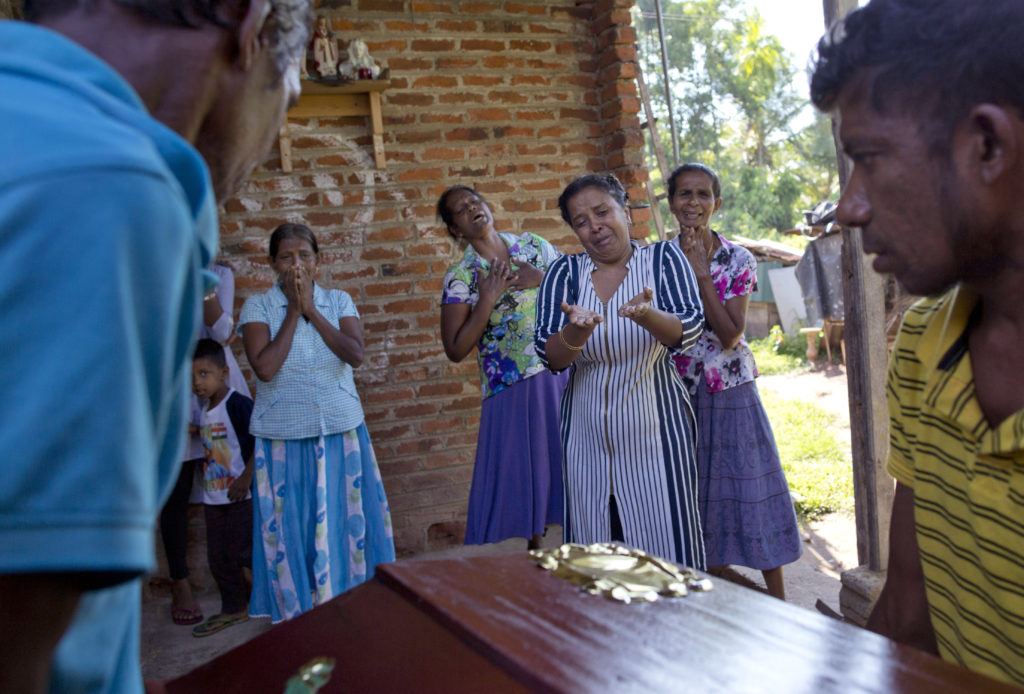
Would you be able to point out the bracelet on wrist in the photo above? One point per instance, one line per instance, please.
(574, 348)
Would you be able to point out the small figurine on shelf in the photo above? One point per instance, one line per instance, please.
(325, 50)
(359, 64)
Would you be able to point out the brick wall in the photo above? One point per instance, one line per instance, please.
(512, 98)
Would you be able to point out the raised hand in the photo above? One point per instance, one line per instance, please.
(290, 289)
(691, 242)
(638, 306)
(304, 289)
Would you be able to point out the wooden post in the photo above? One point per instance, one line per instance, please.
(867, 358)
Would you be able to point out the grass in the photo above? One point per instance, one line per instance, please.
(817, 465)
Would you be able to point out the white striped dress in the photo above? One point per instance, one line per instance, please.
(627, 425)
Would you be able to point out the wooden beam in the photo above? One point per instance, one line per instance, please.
(867, 361)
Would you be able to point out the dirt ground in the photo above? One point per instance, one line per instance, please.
(830, 547)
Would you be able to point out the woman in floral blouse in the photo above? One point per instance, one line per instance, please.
(488, 302)
(745, 507)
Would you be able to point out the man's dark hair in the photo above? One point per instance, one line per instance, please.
(605, 182)
(212, 350)
(716, 185)
(935, 59)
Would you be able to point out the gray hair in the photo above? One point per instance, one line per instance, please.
(287, 27)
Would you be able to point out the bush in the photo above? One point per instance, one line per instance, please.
(779, 353)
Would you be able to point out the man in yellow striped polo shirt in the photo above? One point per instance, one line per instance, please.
(930, 97)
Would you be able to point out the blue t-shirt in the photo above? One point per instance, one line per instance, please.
(107, 218)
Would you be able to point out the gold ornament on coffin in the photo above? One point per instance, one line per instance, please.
(619, 572)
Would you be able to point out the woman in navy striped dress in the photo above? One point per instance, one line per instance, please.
(615, 315)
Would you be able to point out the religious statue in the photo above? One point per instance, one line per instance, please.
(359, 64)
(325, 50)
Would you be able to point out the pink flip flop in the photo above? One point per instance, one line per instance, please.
(186, 615)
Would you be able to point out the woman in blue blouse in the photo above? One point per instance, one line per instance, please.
(322, 521)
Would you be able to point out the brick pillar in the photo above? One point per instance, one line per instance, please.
(619, 104)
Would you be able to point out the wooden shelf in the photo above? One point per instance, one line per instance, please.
(357, 98)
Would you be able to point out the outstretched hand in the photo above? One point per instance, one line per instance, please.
(581, 317)
(638, 306)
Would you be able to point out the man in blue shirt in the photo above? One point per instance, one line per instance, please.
(107, 219)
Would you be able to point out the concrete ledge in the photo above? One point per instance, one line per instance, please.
(859, 591)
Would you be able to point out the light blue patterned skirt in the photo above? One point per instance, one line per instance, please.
(321, 521)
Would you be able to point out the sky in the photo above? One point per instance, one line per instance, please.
(797, 23)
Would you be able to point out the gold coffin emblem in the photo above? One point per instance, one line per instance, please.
(619, 572)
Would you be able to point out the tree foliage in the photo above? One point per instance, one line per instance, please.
(735, 109)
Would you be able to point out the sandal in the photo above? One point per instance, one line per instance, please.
(187, 615)
(216, 623)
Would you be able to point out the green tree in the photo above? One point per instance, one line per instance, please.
(734, 104)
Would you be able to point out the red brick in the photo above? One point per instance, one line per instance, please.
(371, 254)
(457, 26)
(391, 46)
(417, 136)
(531, 79)
(483, 45)
(431, 46)
(402, 233)
(440, 81)
(507, 97)
(386, 288)
(501, 62)
(530, 45)
(479, 7)
(544, 114)
(415, 305)
(419, 175)
(403, 25)
(461, 98)
(546, 184)
(410, 99)
(524, 8)
(381, 5)
(536, 150)
(485, 114)
(466, 134)
(440, 118)
(436, 7)
(584, 114)
(409, 64)
(458, 63)
(481, 81)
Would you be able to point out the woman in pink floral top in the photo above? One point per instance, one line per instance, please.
(745, 507)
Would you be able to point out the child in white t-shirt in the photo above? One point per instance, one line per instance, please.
(227, 476)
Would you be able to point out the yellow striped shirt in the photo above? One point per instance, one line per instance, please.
(968, 481)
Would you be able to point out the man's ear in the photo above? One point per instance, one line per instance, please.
(249, 30)
(995, 139)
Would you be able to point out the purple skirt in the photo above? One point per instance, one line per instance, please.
(517, 476)
(745, 507)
